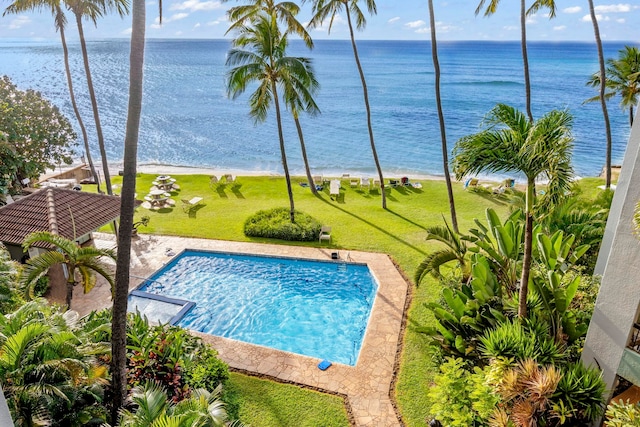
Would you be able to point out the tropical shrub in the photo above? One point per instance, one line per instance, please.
(622, 414)
(50, 369)
(171, 357)
(517, 341)
(581, 393)
(276, 224)
(154, 408)
(460, 398)
(10, 294)
(465, 314)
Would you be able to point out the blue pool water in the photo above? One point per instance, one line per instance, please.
(319, 309)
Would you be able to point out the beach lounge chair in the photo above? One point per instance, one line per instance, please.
(229, 179)
(213, 181)
(345, 176)
(405, 181)
(334, 189)
(364, 182)
(509, 183)
(189, 205)
(471, 183)
(325, 234)
(394, 182)
(353, 182)
(317, 180)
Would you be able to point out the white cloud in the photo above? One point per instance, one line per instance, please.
(19, 22)
(560, 28)
(532, 21)
(415, 24)
(621, 21)
(600, 18)
(510, 28)
(394, 19)
(151, 3)
(613, 8)
(197, 25)
(422, 30)
(126, 32)
(178, 33)
(174, 17)
(337, 21)
(443, 28)
(194, 5)
(572, 9)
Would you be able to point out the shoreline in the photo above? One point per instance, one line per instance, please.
(163, 169)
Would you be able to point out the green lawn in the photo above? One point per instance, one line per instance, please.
(358, 222)
(268, 403)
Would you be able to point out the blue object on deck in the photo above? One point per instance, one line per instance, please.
(324, 365)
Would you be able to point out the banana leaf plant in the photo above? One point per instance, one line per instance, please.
(466, 314)
(556, 288)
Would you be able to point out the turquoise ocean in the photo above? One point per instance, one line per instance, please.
(188, 120)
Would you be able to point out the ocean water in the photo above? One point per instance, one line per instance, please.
(188, 120)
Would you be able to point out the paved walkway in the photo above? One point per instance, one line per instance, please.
(367, 386)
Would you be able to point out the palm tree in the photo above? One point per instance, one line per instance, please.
(85, 261)
(456, 251)
(492, 7)
(127, 207)
(153, 408)
(265, 62)
(623, 78)
(285, 12)
(60, 20)
(603, 101)
(511, 143)
(92, 10)
(323, 9)
(300, 99)
(443, 133)
(47, 369)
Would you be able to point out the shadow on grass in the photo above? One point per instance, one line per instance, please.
(369, 223)
(410, 221)
(193, 212)
(497, 199)
(235, 189)
(220, 190)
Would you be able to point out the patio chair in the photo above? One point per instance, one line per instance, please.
(405, 181)
(509, 183)
(471, 183)
(325, 234)
(229, 179)
(334, 189)
(354, 182)
(394, 182)
(213, 181)
(189, 205)
(317, 180)
(364, 182)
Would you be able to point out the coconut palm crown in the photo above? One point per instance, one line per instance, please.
(540, 150)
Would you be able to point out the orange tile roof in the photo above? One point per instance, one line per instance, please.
(73, 213)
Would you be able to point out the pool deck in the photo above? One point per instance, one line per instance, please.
(366, 387)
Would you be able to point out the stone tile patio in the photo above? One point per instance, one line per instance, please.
(366, 386)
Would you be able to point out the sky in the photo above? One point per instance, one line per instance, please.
(395, 20)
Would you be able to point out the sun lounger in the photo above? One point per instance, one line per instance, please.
(394, 182)
(334, 188)
(317, 179)
(364, 182)
(376, 183)
(354, 182)
(229, 179)
(471, 183)
(189, 205)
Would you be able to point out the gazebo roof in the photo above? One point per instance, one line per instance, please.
(68, 213)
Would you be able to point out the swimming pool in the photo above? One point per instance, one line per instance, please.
(315, 308)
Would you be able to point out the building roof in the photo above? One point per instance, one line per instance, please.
(69, 213)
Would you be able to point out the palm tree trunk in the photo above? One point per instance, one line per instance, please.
(630, 115)
(528, 245)
(127, 199)
(282, 151)
(368, 108)
(603, 101)
(70, 285)
(67, 70)
(303, 148)
(525, 58)
(94, 105)
(443, 133)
